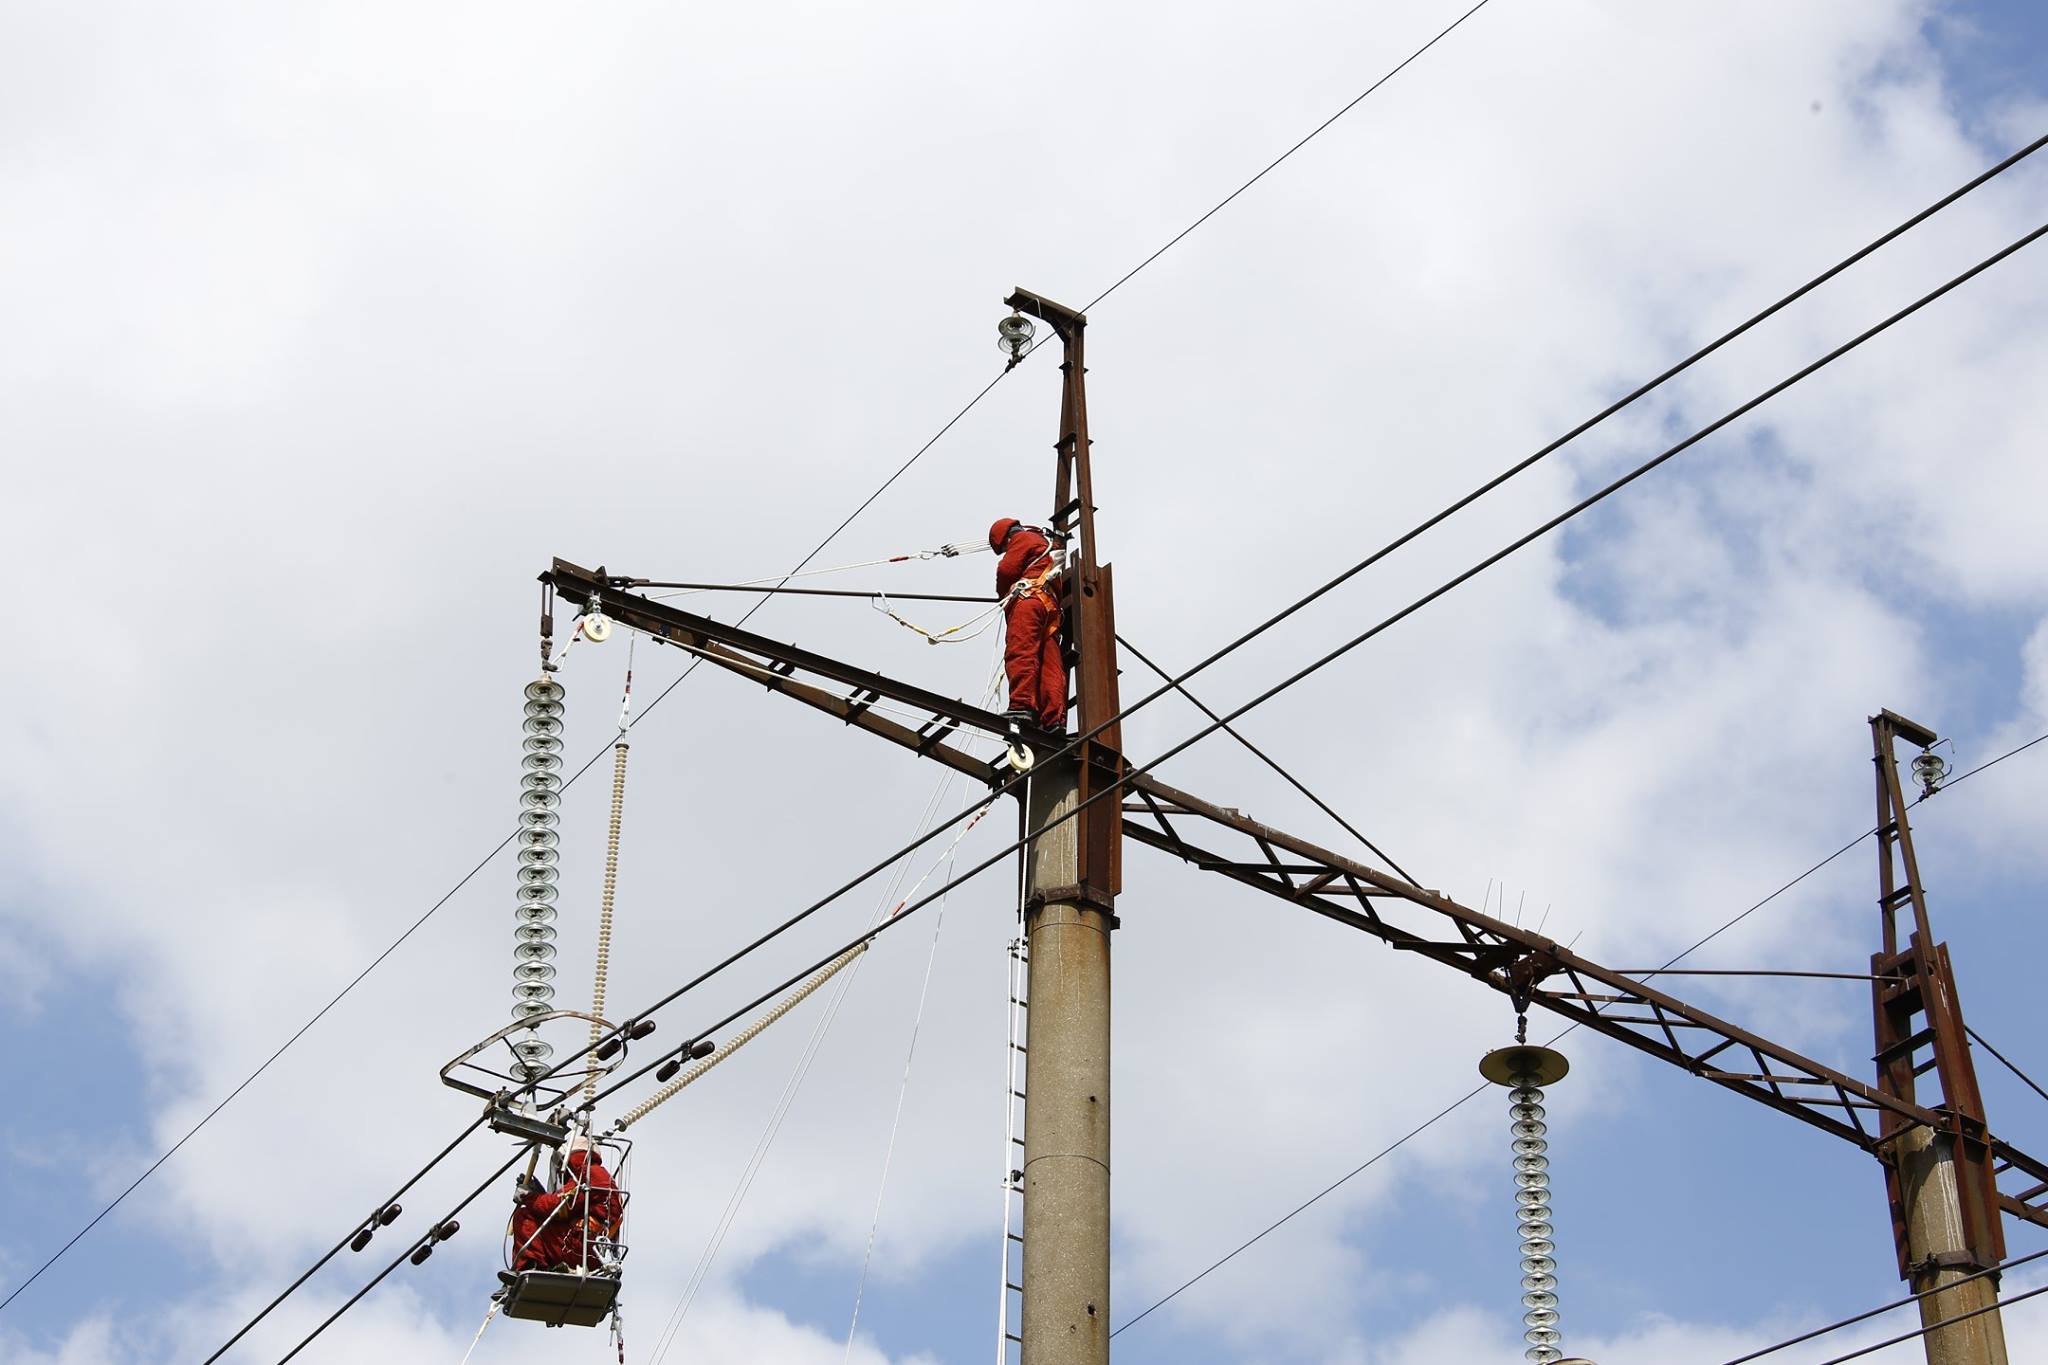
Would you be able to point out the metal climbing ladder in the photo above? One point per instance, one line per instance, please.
(1010, 1310)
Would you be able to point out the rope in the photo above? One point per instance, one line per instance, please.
(477, 1340)
(896, 1124)
(983, 622)
(739, 1040)
(604, 917)
(789, 1002)
(949, 551)
(801, 1070)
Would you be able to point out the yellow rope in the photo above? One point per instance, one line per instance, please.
(738, 1040)
(604, 916)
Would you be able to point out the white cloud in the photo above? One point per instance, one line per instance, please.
(332, 332)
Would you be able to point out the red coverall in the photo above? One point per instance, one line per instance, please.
(1031, 648)
(561, 1240)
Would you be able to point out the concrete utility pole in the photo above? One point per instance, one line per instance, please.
(1941, 1181)
(1072, 877)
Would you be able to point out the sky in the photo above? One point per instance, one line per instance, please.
(330, 324)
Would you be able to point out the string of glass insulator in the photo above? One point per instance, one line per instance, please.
(540, 799)
(1532, 1200)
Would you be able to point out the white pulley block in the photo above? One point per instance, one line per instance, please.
(596, 628)
(1021, 757)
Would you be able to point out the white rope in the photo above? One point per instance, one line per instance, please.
(739, 1040)
(896, 1124)
(496, 1304)
(951, 634)
(950, 551)
(604, 911)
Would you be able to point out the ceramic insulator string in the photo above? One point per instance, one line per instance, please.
(1532, 1200)
(540, 800)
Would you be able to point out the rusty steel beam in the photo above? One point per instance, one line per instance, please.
(676, 626)
(1523, 964)
(775, 666)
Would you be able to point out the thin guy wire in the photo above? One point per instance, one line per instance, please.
(1471, 1094)
(1115, 787)
(1270, 762)
(1275, 162)
(2008, 1065)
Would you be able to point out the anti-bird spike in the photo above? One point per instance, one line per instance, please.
(1525, 1070)
(540, 798)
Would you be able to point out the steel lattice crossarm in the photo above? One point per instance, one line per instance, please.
(1528, 966)
(801, 674)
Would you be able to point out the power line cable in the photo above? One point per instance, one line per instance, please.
(1923, 1331)
(1869, 1313)
(347, 1237)
(1275, 162)
(426, 1238)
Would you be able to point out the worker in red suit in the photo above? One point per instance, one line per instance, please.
(1027, 580)
(559, 1228)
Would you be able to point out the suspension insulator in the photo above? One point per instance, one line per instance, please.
(538, 874)
(1525, 1070)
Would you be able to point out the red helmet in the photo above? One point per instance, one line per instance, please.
(1000, 532)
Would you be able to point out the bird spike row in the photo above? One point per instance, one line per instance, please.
(1525, 1070)
(540, 799)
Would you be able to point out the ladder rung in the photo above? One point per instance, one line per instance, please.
(1018, 1141)
(1015, 1237)
(1014, 1337)
(1018, 1287)
(1018, 1093)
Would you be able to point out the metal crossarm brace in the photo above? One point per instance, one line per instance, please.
(1517, 962)
(785, 668)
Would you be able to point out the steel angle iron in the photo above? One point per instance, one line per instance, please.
(1524, 1070)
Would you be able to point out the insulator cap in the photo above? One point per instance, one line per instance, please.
(1524, 1063)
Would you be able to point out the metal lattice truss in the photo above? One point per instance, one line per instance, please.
(1514, 961)
(1529, 967)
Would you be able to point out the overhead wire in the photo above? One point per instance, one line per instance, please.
(1907, 1300)
(1469, 1095)
(347, 1237)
